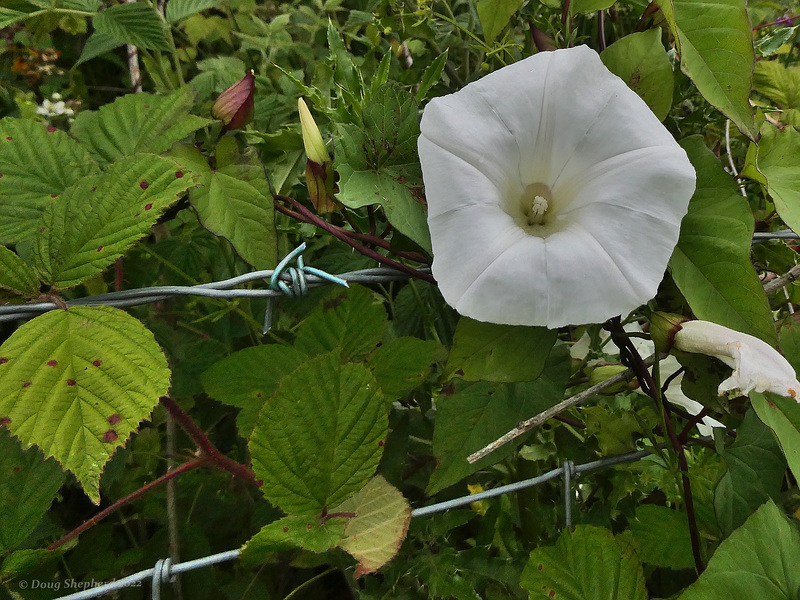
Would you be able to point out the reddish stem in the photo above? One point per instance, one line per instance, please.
(187, 466)
(307, 216)
(785, 21)
(209, 450)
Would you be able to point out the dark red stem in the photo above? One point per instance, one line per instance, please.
(187, 466)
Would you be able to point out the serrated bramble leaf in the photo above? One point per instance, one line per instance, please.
(401, 364)
(481, 412)
(374, 535)
(502, 353)
(76, 383)
(16, 275)
(97, 44)
(233, 200)
(24, 475)
(101, 216)
(640, 60)
(711, 263)
(134, 23)
(352, 320)
(9, 17)
(716, 47)
(137, 123)
(37, 164)
(319, 438)
(782, 415)
(585, 564)
(178, 10)
(758, 560)
(246, 379)
(661, 537)
(781, 84)
(307, 532)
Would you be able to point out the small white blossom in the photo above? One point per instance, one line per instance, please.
(554, 194)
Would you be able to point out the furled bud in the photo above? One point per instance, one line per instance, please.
(234, 106)
(320, 177)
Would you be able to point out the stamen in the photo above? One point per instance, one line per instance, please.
(538, 208)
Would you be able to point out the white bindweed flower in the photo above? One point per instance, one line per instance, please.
(756, 365)
(554, 194)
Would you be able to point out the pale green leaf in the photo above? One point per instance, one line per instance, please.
(76, 383)
(247, 378)
(101, 216)
(291, 532)
(134, 23)
(479, 413)
(711, 263)
(137, 123)
(759, 560)
(782, 415)
(661, 537)
(319, 438)
(352, 320)
(504, 353)
(374, 535)
(586, 563)
(25, 475)
(776, 167)
(716, 48)
(640, 60)
(402, 364)
(233, 201)
(36, 166)
(755, 473)
(15, 275)
(178, 10)
(494, 16)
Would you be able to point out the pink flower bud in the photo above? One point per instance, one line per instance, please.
(234, 106)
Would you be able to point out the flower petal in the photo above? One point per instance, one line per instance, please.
(620, 186)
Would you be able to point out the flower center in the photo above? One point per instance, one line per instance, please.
(536, 213)
(535, 207)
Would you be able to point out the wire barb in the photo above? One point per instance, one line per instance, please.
(299, 286)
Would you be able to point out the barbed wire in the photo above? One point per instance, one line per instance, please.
(164, 571)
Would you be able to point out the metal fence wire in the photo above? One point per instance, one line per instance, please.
(286, 280)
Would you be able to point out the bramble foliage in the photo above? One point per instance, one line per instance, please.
(309, 445)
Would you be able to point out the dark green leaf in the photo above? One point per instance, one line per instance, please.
(716, 48)
(178, 10)
(352, 320)
(319, 438)
(15, 275)
(479, 413)
(759, 560)
(585, 564)
(661, 537)
(97, 44)
(756, 468)
(782, 415)
(640, 60)
(134, 23)
(402, 364)
(25, 475)
(711, 263)
(503, 353)
(431, 76)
